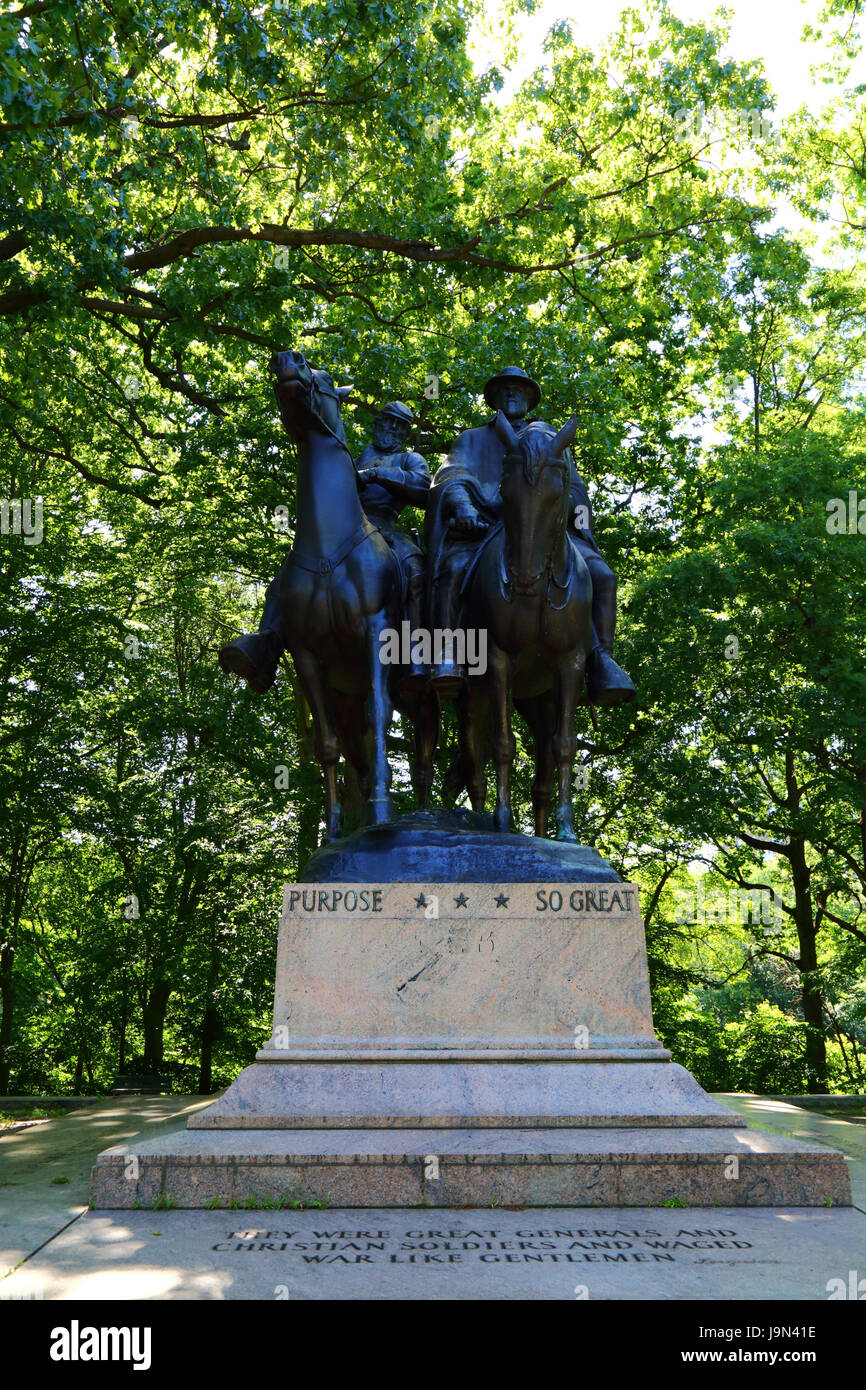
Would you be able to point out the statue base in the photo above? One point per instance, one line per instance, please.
(430, 846)
(465, 1041)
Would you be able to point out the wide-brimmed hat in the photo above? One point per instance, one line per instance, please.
(398, 411)
(512, 374)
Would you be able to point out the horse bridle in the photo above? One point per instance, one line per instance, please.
(507, 576)
(315, 390)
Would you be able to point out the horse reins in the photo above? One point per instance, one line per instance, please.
(506, 573)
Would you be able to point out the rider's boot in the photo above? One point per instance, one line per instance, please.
(415, 673)
(607, 683)
(447, 676)
(256, 655)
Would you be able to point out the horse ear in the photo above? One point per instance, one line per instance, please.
(564, 438)
(507, 437)
(343, 391)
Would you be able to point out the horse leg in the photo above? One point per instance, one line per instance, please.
(425, 726)
(471, 734)
(504, 743)
(567, 687)
(379, 711)
(327, 746)
(465, 772)
(539, 715)
(350, 725)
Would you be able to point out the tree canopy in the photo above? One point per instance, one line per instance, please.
(186, 188)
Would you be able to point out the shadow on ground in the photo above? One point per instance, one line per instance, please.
(45, 1166)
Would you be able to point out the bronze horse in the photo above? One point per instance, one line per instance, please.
(532, 591)
(340, 588)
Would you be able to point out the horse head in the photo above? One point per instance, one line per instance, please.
(307, 396)
(535, 501)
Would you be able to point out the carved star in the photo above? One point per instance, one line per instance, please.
(421, 902)
(501, 900)
(462, 901)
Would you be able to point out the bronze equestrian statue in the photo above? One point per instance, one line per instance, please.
(465, 502)
(511, 555)
(503, 557)
(530, 589)
(389, 477)
(339, 589)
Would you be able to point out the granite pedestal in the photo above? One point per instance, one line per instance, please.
(466, 1043)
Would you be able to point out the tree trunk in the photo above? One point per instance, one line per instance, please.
(121, 1046)
(154, 1026)
(810, 981)
(7, 1005)
(211, 1031)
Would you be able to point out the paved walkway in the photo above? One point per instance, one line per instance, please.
(715, 1254)
(34, 1201)
(838, 1129)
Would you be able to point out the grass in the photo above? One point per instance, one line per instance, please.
(289, 1201)
(17, 1117)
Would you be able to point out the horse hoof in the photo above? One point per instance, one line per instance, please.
(502, 820)
(335, 826)
(566, 832)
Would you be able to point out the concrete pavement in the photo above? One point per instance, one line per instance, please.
(63, 1251)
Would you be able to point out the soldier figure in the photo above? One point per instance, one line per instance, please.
(390, 477)
(464, 505)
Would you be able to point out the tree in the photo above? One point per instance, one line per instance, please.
(187, 188)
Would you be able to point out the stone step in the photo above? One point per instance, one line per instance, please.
(474, 1095)
(593, 1167)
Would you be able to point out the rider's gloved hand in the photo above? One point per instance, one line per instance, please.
(467, 522)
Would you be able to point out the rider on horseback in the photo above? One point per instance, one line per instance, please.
(390, 477)
(464, 505)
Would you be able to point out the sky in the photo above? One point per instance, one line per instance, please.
(766, 29)
(770, 30)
